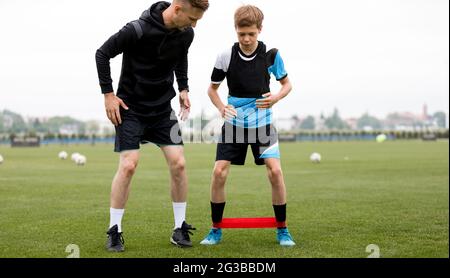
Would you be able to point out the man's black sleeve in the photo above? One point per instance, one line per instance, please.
(114, 46)
(181, 70)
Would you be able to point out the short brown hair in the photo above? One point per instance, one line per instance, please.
(247, 16)
(200, 4)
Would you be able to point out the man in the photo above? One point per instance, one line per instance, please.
(154, 48)
(247, 67)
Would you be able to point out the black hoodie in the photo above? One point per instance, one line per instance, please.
(151, 55)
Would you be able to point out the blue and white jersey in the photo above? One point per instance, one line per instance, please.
(248, 78)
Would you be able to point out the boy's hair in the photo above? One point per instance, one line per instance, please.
(247, 16)
(200, 4)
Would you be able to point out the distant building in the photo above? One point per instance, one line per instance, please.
(285, 124)
(105, 128)
(69, 129)
(320, 123)
(352, 123)
(410, 121)
(8, 121)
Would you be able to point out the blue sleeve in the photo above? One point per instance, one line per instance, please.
(277, 69)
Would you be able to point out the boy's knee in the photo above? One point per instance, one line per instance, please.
(220, 172)
(275, 172)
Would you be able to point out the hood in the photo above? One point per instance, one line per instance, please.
(154, 15)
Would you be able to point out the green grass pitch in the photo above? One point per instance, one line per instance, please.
(394, 195)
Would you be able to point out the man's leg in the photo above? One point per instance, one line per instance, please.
(177, 167)
(276, 179)
(178, 190)
(120, 190)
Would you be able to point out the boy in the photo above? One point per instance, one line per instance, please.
(248, 117)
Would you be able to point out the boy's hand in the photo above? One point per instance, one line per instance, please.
(266, 102)
(228, 112)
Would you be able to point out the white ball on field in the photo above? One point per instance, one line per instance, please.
(74, 156)
(315, 157)
(63, 155)
(1, 159)
(80, 160)
(381, 138)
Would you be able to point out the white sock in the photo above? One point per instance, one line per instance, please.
(115, 218)
(179, 213)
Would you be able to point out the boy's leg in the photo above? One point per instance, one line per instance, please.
(227, 154)
(219, 177)
(276, 178)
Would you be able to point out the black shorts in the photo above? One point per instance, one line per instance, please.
(162, 130)
(234, 143)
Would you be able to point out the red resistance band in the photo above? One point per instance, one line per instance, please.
(258, 222)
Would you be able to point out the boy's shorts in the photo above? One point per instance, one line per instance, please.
(234, 143)
(162, 130)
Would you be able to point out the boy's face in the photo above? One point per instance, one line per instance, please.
(248, 36)
(187, 16)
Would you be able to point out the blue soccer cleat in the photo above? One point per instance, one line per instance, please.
(284, 237)
(214, 237)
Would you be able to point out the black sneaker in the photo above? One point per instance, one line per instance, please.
(115, 240)
(180, 236)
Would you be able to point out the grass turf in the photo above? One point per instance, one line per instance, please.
(394, 195)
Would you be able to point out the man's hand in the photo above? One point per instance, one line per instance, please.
(112, 107)
(267, 101)
(228, 112)
(185, 105)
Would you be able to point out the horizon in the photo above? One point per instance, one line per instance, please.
(210, 114)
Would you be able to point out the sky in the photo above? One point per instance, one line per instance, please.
(360, 56)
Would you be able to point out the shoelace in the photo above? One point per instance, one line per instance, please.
(116, 238)
(212, 234)
(284, 233)
(185, 229)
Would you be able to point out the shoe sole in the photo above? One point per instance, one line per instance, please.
(287, 245)
(115, 250)
(179, 245)
(209, 243)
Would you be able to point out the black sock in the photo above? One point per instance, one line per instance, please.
(280, 215)
(217, 212)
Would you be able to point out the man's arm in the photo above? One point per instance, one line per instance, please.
(115, 45)
(227, 111)
(181, 72)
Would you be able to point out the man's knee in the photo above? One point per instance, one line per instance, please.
(178, 166)
(128, 167)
